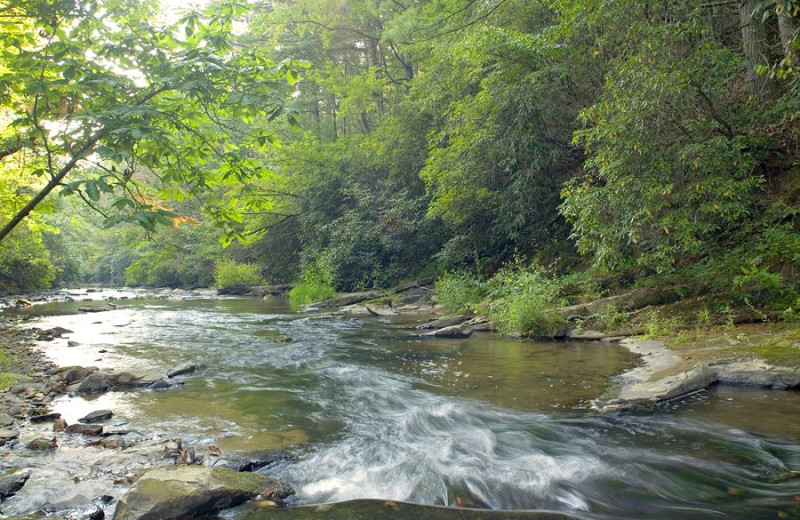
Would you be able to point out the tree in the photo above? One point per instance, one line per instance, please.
(99, 101)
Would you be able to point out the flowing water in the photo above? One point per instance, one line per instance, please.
(376, 412)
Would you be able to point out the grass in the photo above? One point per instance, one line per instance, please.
(6, 378)
(775, 343)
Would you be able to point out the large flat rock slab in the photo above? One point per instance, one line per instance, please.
(664, 375)
(193, 491)
(392, 510)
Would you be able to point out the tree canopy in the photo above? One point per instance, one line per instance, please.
(416, 138)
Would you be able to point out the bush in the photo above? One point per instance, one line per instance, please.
(228, 273)
(316, 284)
(524, 301)
(459, 291)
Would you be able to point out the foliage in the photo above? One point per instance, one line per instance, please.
(228, 273)
(101, 102)
(316, 284)
(524, 301)
(457, 291)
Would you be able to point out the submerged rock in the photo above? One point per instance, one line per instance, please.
(189, 491)
(11, 483)
(252, 460)
(187, 368)
(393, 510)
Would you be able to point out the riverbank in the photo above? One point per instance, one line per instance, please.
(765, 355)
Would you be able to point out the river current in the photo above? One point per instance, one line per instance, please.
(373, 411)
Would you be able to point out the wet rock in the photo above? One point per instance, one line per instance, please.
(163, 384)
(77, 508)
(56, 332)
(348, 299)
(45, 417)
(11, 483)
(94, 309)
(8, 435)
(85, 429)
(187, 368)
(94, 383)
(75, 374)
(253, 460)
(72, 343)
(113, 442)
(59, 425)
(40, 444)
(188, 491)
(444, 322)
(97, 416)
(6, 420)
(454, 331)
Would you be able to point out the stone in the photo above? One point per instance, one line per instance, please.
(163, 384)
(40, 444)
(253, 460)
(6, 420)
(189, 491)
(8, 435)
(72, 343)
(85, 429)
(187, 368)
(94, 383)
(454, 331)
(444, 322)
(11, 483)
(45, 417)
(96, 416)
(75, 374)
(59, 425)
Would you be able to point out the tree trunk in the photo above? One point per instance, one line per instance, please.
(756, 49)
(787, 25)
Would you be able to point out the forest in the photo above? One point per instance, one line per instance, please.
(519, 152)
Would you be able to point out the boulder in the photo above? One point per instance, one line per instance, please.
(85, 429)
(94, 383)
(190, 491)
(8, 435)
(45, 417)
(40, 444)
(96, 416)
(75, 374)
(11, 483)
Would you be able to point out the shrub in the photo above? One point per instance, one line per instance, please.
(524, 301)
(316, 284)
(228, 273)
(458, 291)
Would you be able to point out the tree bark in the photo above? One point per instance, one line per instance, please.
(756, 49)
(787, 25)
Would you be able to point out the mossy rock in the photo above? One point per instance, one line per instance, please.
(193, 491)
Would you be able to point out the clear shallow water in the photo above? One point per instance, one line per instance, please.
(378, 413)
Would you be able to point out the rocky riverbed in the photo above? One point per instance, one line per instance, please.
(118, 464)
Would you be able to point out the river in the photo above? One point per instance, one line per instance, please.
(373, 411)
